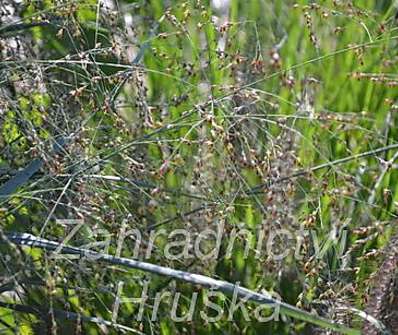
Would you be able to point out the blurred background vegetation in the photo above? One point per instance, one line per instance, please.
(192, 114)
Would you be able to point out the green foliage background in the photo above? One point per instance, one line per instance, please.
(223, 100)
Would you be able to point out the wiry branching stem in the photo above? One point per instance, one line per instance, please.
(259, 188)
